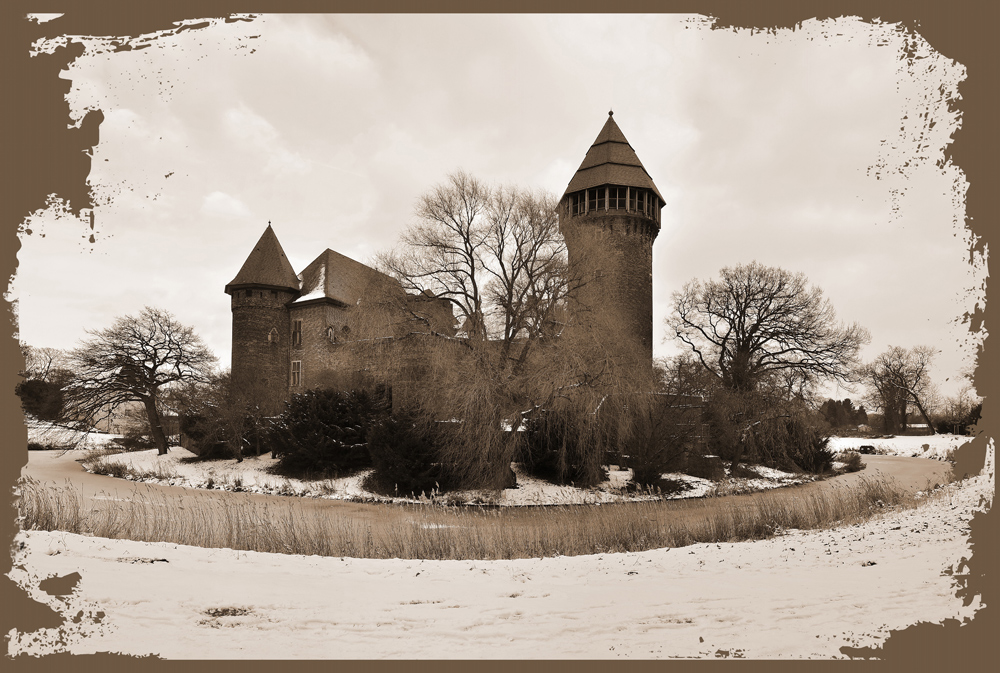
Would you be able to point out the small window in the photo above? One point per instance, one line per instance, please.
(274, 293)
(591, 200)
(296, 333)
(631, 199)
(331, 333)
(641, 202)
(272, 336)
(345, 329)
(579, 205)
(249, 293)
(296, 372)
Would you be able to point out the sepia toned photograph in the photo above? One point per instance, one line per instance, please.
(499, 336)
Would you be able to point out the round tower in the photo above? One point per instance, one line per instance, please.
(610, 216)
(261, 292)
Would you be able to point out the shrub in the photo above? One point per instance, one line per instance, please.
(322, 433)
(805, 446)
(204, 434)
(851, 460)
(657, 433)
(705, 467)
(135, 440)
(405, 453)
(557, 449)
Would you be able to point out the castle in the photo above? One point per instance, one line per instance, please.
(292, 332)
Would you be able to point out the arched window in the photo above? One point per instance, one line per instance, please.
(331, 333)
(272, 336)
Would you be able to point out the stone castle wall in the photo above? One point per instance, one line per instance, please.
(261, 340)
(613, 253)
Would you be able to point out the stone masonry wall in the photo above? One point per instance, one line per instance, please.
(620, 248)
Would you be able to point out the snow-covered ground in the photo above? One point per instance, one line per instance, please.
(252, 475)
(61, 437)
(800, 595)
(918, 446)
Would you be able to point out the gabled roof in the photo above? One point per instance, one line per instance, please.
(267, 266)
(345, 281)
(611, 161)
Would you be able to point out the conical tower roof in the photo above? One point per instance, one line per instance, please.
(611, 161)
(266, 266)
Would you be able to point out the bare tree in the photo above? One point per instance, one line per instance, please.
(441, 253)
(899, 379)
(961, 410)
(758, 321)
(133, 361)
(221, 415)
(495, 253)
(43, 364)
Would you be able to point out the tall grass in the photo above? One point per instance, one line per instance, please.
(388, 531)
(98, 463)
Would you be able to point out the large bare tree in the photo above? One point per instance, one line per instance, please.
(756, 322)
(133, 361)
(899, 379)
(495, 253)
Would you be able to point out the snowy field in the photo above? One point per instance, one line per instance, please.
(61, 437)
(800, 595)
(924, 446)
(252, 475)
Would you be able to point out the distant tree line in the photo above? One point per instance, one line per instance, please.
(842, 414)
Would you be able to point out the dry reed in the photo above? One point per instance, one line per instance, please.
(429, 532)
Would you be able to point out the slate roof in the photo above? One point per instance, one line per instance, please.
(611, 161)
(334, 276)
(267, 265)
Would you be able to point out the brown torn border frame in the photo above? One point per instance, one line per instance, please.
(43, 157)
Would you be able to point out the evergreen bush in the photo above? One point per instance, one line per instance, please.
(323, 433)
(404, 450)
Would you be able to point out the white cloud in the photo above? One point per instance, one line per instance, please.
(221, 204)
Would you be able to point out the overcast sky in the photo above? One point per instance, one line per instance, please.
(818, 150)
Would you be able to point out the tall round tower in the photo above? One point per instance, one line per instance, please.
(610, 216)
(261, 291)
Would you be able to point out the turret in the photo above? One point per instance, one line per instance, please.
(261, 292)
(610, 216)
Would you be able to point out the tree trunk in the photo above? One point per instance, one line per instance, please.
(923, 413)
(155, 428)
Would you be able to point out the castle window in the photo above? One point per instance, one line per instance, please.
(296, 372)
(331, 334)
(274, 293)
(640, 202)
(601, 194)
(631, 199)
(249, 293)
(296, 333)
(579, 204)
(272, 336)
(616, 198)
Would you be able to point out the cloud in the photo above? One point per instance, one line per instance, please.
(258, 134)
(220, 204)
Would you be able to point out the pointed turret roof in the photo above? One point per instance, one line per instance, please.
(611, 161)
(345, 281)
(266, 266)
